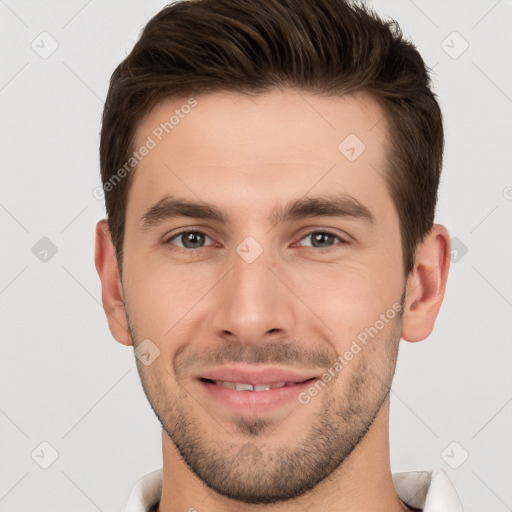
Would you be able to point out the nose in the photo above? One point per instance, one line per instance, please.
(253, 303)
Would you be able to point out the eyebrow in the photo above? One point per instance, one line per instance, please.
(342, 205)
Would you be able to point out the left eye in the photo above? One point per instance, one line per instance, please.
(195, 239)
(321, 237)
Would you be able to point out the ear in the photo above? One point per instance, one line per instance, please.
(112, 294)
(426, 285)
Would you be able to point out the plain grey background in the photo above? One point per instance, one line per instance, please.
(65, 382)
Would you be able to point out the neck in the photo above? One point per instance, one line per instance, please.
(363, 482)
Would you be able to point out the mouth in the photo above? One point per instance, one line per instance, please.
(243, 398)
(244, 386)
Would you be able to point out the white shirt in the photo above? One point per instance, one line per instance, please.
(430, 491)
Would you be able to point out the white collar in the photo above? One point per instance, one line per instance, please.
(430, 491)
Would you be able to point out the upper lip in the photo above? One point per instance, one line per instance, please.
(256, 375)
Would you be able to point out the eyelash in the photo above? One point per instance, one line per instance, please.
(195, 251)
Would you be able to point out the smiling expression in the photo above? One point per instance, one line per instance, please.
(256, 243)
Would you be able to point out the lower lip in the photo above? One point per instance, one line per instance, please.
(254, 402)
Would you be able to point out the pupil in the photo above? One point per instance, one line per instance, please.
(192, 238)
(319, 236)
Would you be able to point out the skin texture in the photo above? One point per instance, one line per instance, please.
(296, 306)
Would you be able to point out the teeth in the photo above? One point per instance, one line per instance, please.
(249, 387)
(263, 387)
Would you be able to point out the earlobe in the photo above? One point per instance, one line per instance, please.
(426, 285)
(111, 287)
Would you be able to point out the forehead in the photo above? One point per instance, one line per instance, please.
(255, 150)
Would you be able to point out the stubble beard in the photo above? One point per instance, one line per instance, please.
(245, 465)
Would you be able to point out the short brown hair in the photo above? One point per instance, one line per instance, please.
(330, 47)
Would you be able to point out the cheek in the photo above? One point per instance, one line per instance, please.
(347, 299)
(159, 386)
(163, 297)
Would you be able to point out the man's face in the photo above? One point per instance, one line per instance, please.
(229, 301)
